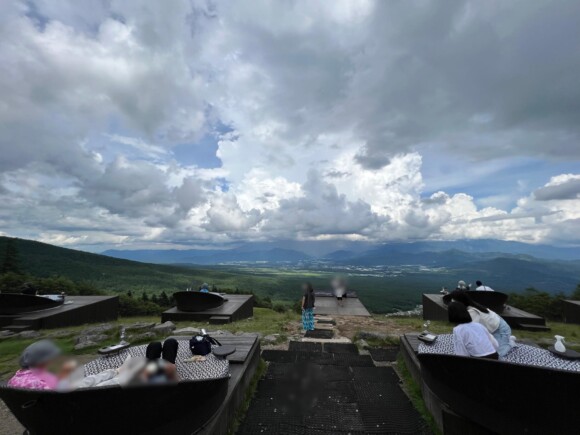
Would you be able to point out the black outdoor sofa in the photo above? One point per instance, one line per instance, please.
(182, 407)
(505, 398)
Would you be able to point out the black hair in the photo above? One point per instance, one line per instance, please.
(463, 297)
(478, 283)
(458, 313)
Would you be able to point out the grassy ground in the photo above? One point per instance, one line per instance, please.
(414, 392)
(264, 321)
(267, 322)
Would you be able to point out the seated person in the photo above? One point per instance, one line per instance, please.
(462, 286)
(470, 338)
(482, 288)
(161, 362)
(34, 363)
(37, 357)
(204, 288)
(492, 321)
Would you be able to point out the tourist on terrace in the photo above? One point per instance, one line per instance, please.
(204, 288)
(308, 307)
(470, 338)
(339, 286)
(462, 286)
(482, 288)
(492, 321)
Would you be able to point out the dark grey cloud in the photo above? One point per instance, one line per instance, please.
(569, 189)
(322, 102)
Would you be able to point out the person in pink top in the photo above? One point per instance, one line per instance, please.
(34, 362)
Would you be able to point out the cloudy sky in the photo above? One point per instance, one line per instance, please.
(200, 123)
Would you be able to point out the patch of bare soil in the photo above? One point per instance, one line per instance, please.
(349, 326)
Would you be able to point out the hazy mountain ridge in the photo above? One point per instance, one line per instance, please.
(427, 253)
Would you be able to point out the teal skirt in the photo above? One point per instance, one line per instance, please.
(308, 319)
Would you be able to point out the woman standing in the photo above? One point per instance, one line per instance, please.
(492, 321)
(308, 307)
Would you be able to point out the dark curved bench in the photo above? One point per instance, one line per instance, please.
(197, 301)
(176, 408)
(503, 397)
(15, 303)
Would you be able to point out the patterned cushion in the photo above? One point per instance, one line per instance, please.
(211, 368)
(521, 354)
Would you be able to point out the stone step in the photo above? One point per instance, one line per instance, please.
(324, 326)
(219, 320)
(529, 327)
(323, 318)
(17, 328)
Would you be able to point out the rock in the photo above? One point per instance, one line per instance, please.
(98, 329)
(190, 330)
(372, 335)
(29, 334)
(139, 326)
(164, 328)
(142, 337)
(60, 334)
(362, 344)
(6, 334)
(82, 340)
(272, 338)
(220, 332)
(84, 345)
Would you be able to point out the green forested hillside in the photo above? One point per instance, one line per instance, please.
(106, 273)
(380, 293)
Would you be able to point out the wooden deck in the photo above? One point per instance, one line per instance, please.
(77, 310)
(328, 306)
(237, 307)
(435, 309)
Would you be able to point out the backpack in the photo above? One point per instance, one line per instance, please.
(201, 344)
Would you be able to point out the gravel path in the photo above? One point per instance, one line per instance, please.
(8, 424)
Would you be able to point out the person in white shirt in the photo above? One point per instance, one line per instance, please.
(482, 288)
(492, 321)
(470, 338)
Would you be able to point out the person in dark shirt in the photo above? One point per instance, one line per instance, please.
(308, 307)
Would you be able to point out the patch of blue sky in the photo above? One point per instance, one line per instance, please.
(497, 183)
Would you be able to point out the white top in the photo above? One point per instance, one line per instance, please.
(472, 339)
(484, 288)
(490, 319)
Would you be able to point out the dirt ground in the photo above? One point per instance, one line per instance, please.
(348, 326)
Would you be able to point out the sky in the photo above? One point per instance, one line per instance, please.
(186, 123)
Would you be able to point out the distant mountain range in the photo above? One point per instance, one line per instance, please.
(379, 272)
(210, 257)
(445, 253)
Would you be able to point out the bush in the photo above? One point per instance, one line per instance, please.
(281, 307)
(539, 302)
(129, 306)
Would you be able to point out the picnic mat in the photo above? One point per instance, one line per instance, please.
(521, 354)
